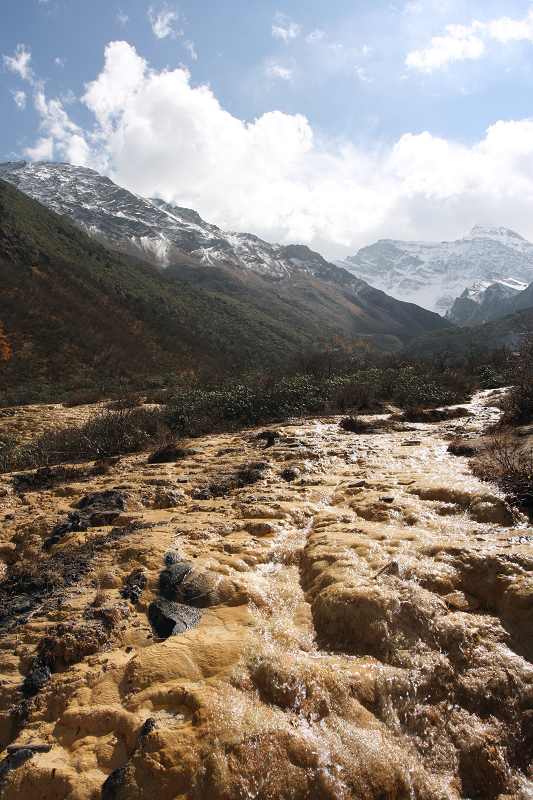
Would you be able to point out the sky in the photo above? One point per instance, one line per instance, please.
(328, 123)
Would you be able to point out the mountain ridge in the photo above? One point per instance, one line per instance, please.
(77, 312)
(434, 274)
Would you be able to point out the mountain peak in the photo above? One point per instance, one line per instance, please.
(490, 232)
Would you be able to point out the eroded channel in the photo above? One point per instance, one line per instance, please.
(364, 633)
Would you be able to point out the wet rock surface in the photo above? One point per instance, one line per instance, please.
(168, 618)
(358, 627)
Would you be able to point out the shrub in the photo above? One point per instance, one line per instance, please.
(510, 466)
(109, 433)
(518, 406)
(352, 425)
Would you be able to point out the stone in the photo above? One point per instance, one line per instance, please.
(169, 619)
(172, 577)
(37, 678)
(290, 474)
(168, 498)
(112, 784)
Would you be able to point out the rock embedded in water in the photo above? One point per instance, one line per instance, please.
(168, 618)
(268, 437)
(111, 789)
(171, 578)
(290, 474)
(199, 589)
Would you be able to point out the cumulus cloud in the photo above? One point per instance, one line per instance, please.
(19, 98)
(20, 63)
(43, 150)
(157, 133)
(122, 18)
(163, 21)
(469, 42)
(63, 138)
(285, 29)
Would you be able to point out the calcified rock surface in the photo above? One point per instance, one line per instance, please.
(360, 629)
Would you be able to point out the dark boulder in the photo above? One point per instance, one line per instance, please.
(171, 578)
(113, 784)
(169, 619)
(109, 500)
(148, 726)
(290, 474)
(38, 677)
(268, 437)
(198, 589)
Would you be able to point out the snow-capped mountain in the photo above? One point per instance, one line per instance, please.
(484, 301)
(434, 274)
(151, 228)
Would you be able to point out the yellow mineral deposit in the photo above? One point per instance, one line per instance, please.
(364, 626)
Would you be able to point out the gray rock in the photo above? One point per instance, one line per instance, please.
(169, 619)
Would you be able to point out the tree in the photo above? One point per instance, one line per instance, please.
(6, 351)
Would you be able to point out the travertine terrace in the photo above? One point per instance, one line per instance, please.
(363, 626)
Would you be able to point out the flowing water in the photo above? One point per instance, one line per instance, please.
(367, 634)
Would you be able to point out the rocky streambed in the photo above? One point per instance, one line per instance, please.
(299, 613)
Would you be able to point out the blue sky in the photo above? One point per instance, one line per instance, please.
(329, 123)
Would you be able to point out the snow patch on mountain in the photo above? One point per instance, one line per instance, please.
(158, 231)
(434, 274)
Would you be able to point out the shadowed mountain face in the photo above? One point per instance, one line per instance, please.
(207, 297)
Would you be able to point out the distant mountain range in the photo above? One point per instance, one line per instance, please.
(435, 274)
(77, 311)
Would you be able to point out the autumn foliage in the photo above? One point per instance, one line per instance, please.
(5, 348)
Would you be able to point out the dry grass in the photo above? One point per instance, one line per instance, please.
(509, 465)
(108, 433)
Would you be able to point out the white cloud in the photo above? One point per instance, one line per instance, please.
(191, 49)
(20, 99)
(163, 21)
(43, 150)
(59, 62)
(122, 18)
(278, 71)
(20, 63)
(458, 44)
(62, 138)
(506, 30)
(469, 42)
(158, 134)
(285, 29)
